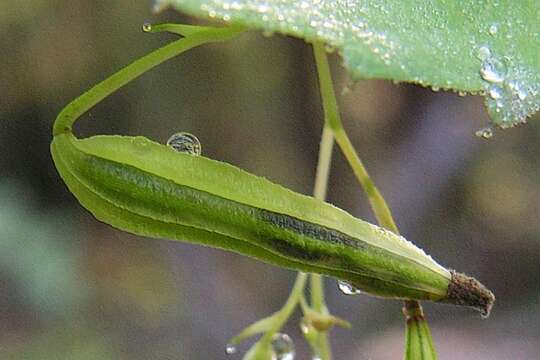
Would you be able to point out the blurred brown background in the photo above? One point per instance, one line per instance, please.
(74, 288)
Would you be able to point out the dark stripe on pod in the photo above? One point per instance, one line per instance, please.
(311, 230)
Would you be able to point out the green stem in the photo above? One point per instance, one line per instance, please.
(317, 286)
(286, 311)
(333, 120)
(378, 204)
(83, 103)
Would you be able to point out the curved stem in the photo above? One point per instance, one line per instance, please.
(333, 120)
(83, 103)
(378, 204)
(286, 311)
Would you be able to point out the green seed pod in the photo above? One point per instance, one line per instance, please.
(150, 189)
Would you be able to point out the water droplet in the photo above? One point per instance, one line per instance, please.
(462, 93)
(305, 328)
(147, 27)
(230, 349)
(283, 346)
(483, 53)
(493, 70)
(347, 288)
(185, 142)
(495, 92)
(522, 94)
(493, 29)
(485, 133)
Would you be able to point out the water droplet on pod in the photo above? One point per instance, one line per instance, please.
(283, 346)
(147, 27)
(485, 133)
(347, 288)
(185, 142)
(230, 349)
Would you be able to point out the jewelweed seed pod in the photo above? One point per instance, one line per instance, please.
(149, 189)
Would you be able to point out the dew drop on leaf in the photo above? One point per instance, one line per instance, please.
(185, 142)
(283, 346)
(495, 92)
(347, 288)
(493, 70)
(493, 29)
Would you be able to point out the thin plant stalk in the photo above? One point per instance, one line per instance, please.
(317, 286)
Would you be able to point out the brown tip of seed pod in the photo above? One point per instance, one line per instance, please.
(467, 291)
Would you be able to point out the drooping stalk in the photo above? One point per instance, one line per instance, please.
(83, 103)
(412, 309)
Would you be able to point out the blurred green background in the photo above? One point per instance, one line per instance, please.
(74, 288)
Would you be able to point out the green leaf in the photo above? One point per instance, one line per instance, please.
(469, 46)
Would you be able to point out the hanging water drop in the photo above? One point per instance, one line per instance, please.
(517, 90)
(347, 288)
(495, 92)
(485, 133)
(283, 347)
(185, 142)
(230, 349)
(147, 27)
(521, 93)
(493, 70)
